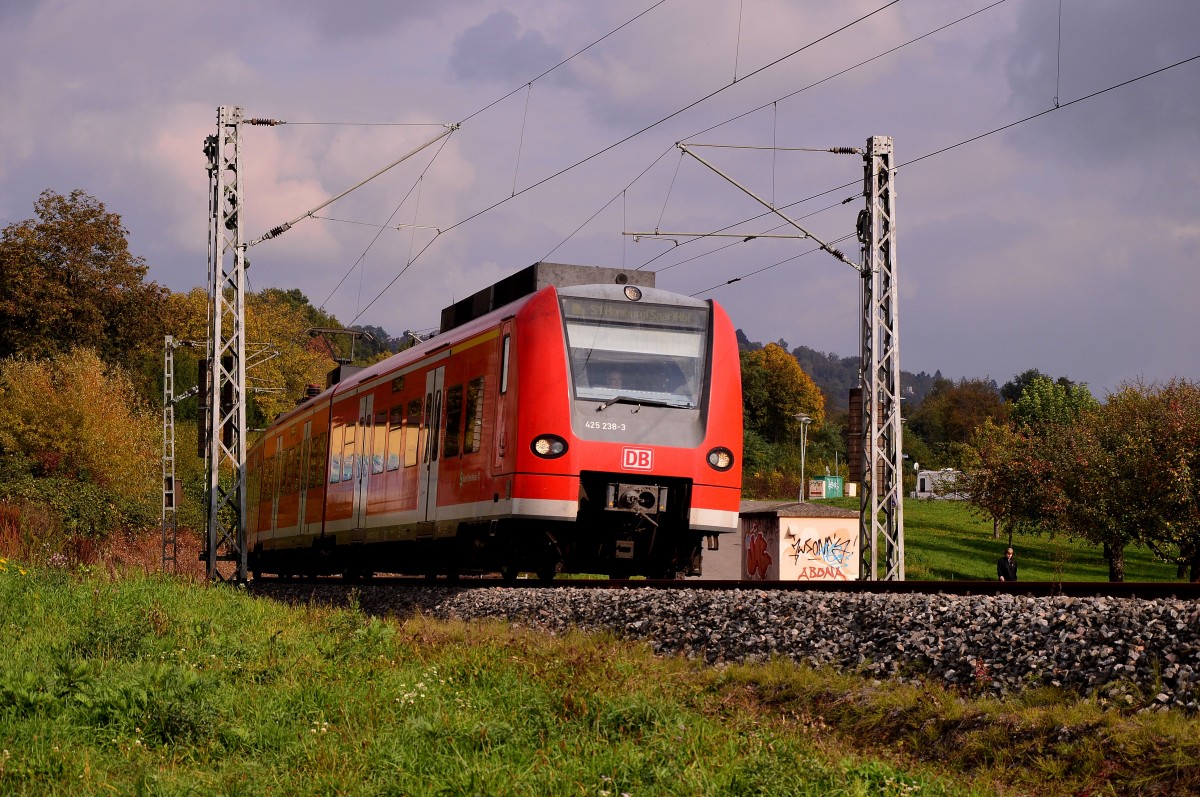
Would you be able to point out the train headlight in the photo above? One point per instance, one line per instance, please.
(549, 446)
(633, 293)
(720, 458)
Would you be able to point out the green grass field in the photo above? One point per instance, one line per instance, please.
(946, 540)
(148, 686)
(151, 686)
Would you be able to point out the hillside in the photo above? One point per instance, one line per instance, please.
(835, 375)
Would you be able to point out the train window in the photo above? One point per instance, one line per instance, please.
(335, 456)
(474, 425)
(297, 462)
(255, 480)
(504, 364)
(269, 475)
(454, 406)
(656, 353)
(298, 465)
(285, 472)
(412, 446)
(294, 469)
(348, 452)
(377, 452)
(395, 436)
(320, 449)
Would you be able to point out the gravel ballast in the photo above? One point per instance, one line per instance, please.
(1123, 649)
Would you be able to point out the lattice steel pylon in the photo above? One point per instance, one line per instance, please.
(170, 525)
(225, 452)
(882, 500)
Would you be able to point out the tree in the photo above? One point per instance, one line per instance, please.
(774, 390)
(1112, 474)
(67, 278)
(1153, 433)
(1086, 496)
(1044, 403)
(76, 437)
(276, 324)
(1008, 480)
(1012, 389)
(954, 410)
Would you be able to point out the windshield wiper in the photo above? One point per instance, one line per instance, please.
(677, 404)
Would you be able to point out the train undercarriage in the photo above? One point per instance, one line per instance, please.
(624, 528)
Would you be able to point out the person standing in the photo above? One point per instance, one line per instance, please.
(1006, 568)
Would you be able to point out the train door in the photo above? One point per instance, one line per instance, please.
(302, 478)
(500, 444)
(362, 459)
(428, 478)
(277, 465)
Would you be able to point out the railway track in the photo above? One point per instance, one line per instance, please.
(1040, 589)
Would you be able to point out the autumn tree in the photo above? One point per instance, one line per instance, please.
(1008, 480)
(283, 357)
(67, 278)
(76, 438)
(950, 414)
(774, 390)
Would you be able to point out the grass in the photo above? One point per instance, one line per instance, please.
(146, 685)
(946, 540)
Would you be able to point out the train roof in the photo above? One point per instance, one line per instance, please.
(532, 279)
(476, 314)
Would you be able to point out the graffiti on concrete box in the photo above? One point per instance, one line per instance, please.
(819, 550)
(759, 538)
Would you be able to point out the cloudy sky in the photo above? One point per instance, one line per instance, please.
(1068, 243)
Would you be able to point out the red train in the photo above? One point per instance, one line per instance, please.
(567, 419)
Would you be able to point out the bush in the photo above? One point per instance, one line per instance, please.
(79, 451)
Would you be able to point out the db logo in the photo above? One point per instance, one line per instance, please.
(637, 459)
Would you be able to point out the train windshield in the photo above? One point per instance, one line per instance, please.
(650, 352)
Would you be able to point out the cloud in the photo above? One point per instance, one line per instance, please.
(498, 50)
(1066, 243)
(364, 19)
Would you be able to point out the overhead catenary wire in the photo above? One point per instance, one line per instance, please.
(1031, 117)
(635, 134)
(973, 139)
(381, 229)
(746, 240)
(775, 103)
(773, 265)
(848, 69)
(620, 195)
(275, 232)
(529, 85)
(573, 55)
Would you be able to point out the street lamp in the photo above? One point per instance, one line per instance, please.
(805, 419)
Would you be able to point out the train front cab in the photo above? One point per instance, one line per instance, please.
(630, 422)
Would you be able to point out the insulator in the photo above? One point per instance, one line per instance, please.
(837, 253)
(845, 150)
(266, 122)
(863, 226)
(274, 231)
